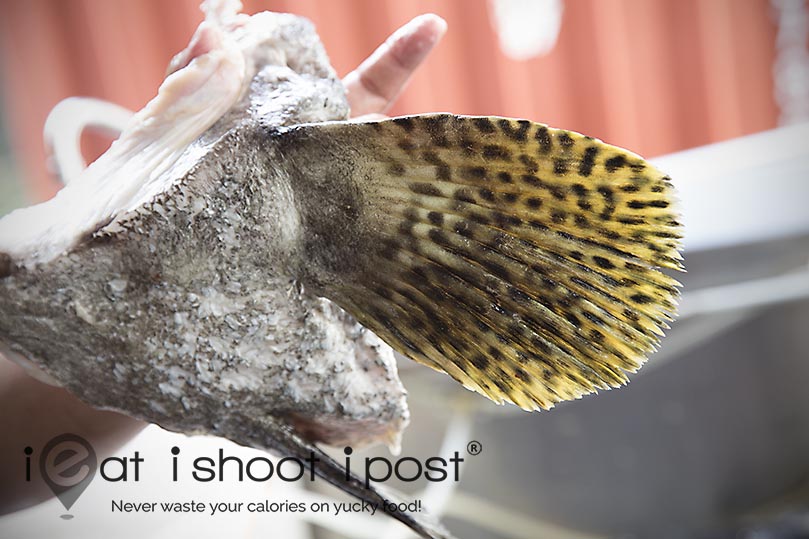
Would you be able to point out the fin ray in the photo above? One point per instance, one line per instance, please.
(519, 259)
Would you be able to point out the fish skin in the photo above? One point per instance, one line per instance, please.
(170, 303)
(185, 311)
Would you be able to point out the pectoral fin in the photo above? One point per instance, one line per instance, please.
(519, 259)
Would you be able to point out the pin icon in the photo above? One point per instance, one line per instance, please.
(68, 463)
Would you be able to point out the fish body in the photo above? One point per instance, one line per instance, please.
(243, 260)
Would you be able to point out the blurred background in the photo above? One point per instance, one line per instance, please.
(656, 76)
(711, 439)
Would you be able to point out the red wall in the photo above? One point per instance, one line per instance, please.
(652, 75)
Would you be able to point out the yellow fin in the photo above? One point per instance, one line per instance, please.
(519, 259)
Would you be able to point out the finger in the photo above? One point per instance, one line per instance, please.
(372, 117)
(376, 83)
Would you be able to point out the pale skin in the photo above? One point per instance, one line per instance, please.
(34, 412)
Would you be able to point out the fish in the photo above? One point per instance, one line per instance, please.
(245, 259)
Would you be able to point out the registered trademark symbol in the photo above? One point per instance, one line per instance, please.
(474, 447)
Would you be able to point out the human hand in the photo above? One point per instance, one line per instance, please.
(378, 80)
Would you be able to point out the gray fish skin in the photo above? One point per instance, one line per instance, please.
(193, 311)
(193, 305)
